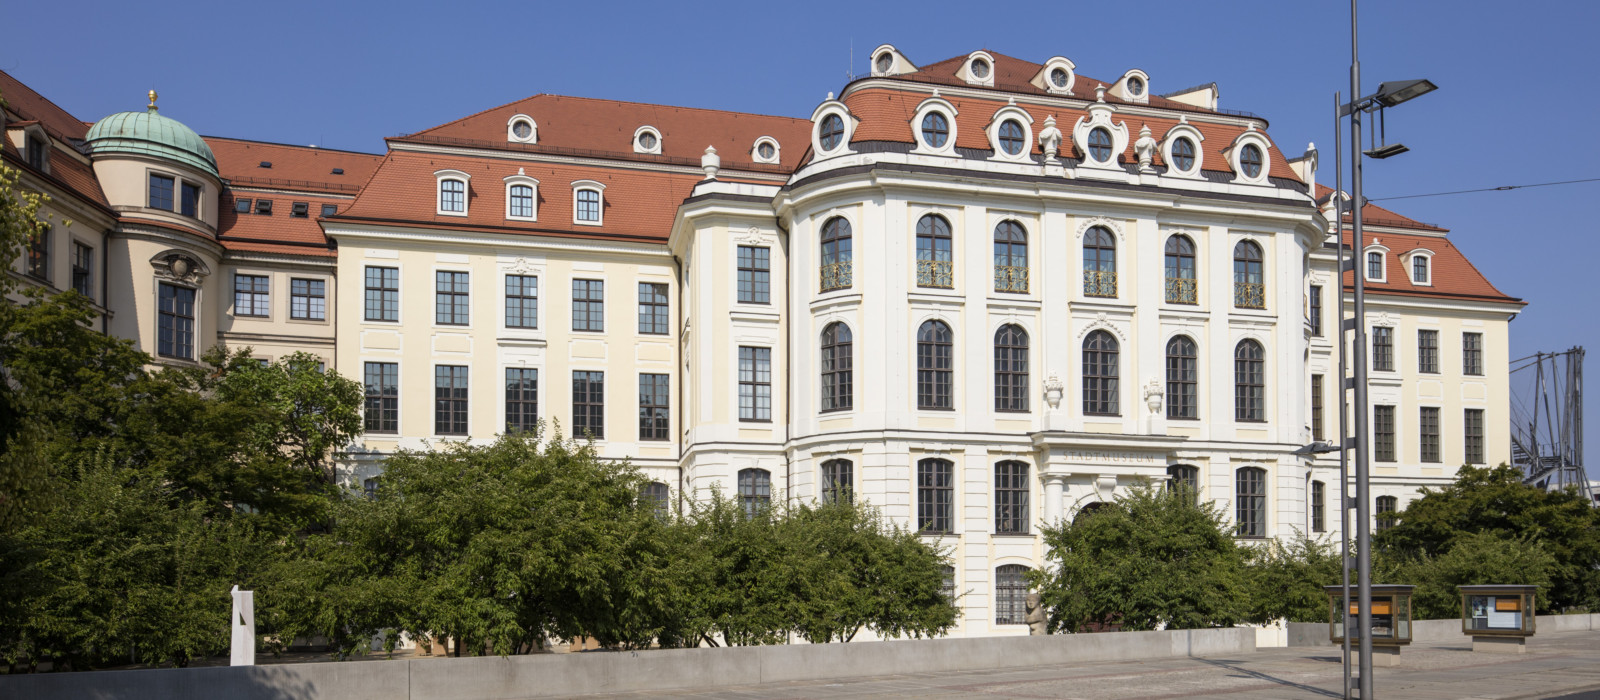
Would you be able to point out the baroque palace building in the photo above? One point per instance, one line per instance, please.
(983, 294)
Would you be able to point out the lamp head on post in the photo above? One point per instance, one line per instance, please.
(1396, 91)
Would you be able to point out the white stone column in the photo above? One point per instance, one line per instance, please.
(1054, 488)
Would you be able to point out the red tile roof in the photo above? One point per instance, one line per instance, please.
(885, 114)
(279, 227)
(638, 205)
(606, 128)
(293, 167)
(31, 105)
(1374, 215)
(1453, 276)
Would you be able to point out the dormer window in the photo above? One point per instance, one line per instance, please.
(1056, 76)
(1419, 269)
(935, 130)
(241, 206)
(1183, 154)
(452, 192)
(299, 210)
(765, 151)
(832, 132)
(980, 69)
(38, 152)
(1136, 86)
(264, 207)
(885, 62)
(647, 140)
(1250, 160)
(522, 195)
(1375, 266)
(588, 204)
(520, 128)
(1100, 145)
(1012, 138)
(1060, 78)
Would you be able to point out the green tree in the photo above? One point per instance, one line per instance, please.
(1495, 501)
(22, 432)
(733, 579)
(1287, 579)
(1149, 558)
(1474, 558)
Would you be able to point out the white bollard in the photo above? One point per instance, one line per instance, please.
(244, 628)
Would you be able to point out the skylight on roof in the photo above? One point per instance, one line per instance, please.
(266, 164)
(338, 171)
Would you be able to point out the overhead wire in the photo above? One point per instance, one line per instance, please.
(1502, 188)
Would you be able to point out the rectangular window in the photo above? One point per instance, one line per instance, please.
(1318, 498)
(452, 196)
(36, 153)
(522, 399)
(175, 322)
(242, 206)
(935, 496)
(589, 205)
(39, 253)
(589, 405)
(450, 400)
(383, 294)
(1428, 352)
(250, 296)
(1383, 433)
(522, 301)
(755, 384)
(654, 407)
(1011, 498)
(588, 305)
(1250, 509)
(450, 304)
(521, 204)
(1472, 354)
(1429, 439)
(1316, 407)
(264, 207)
(308, 300)
(1383, 348)
(161, 187)
(83, 269)
(382, 385)
(299, 210)
(1472, 429)
(1316, 310)
(755, 275)
(653, 308)
(189, 202)
(330, 209)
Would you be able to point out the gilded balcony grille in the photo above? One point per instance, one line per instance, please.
(1250, 295)
(1009, 278)
(935, 273)
(1182, 291)
(836, 275)
(1099, 283)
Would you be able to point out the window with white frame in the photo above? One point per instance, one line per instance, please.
(522, 197)
(1375, 266)
(588, 204)
(1421, 267)
(452, 192)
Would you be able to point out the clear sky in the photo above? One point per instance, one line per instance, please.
(1516, 104)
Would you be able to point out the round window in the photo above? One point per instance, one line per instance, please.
(766, 151)
(980, 69)
(1011, 137)
(1135, 86)
(832, 132)
(885, 62)
(1100, 145)
(647, 141)
(1250, 160)
(935, 130)
(522, 129)
(1059, 77)
(1183, 154)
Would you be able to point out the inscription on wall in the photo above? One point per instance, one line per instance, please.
(1106, 457)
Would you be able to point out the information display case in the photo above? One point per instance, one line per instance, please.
(1391, 614)
(1498, 617)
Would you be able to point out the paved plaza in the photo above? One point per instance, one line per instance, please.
(1565, 665)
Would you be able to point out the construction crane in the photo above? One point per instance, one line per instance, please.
(1547, 421)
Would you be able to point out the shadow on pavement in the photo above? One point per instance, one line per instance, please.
(1233, 666)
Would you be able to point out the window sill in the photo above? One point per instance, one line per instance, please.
(935, 408)
(1017, 535)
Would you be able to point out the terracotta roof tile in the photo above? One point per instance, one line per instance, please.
(1378, 216)
(1452, 275)
(31, 105)
(293, 167)
(279, 226)
(1015, 75)
(282, 249)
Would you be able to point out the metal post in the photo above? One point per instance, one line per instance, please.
(1344, 396)
(1363, 500)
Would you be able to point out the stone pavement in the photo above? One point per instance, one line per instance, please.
(1559, 664)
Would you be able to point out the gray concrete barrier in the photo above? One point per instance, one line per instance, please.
(1314, 634)
(546, 675)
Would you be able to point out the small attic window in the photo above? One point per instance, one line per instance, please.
(1135, 86)
(300, 210)
(338, 171)
(264, 206)
(242, 206)
(330, 209)
(36, 152)
(266, 164)
(1059, 78)
(885, 62)
(980, 69)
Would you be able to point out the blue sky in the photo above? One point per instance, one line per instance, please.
(1517, 90)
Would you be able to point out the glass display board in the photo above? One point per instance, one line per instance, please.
(1495, 612)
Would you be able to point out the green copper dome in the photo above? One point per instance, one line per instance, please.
(150, 134)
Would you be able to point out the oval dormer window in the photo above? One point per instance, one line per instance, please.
(1250, 160)
(980, 68)
(1059, 77)
(935, 130)
(647, 141)
(1183, 155)
(766, 151)
(885, 62)
(1100, 145)
(1011, 138)
(1135, 86)
(832, 132)
(522, 129)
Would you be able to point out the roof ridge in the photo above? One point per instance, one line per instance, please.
(475, 114)
(291, 145)
(47, 100)
(600, 99)
(1475, 270)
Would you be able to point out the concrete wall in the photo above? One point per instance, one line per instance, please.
(1315, 634)
(548, 675)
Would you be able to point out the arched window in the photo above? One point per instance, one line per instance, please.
(1181, 286)
(1419, 269)
(1011, 368)
(838, 481)
(755, 490)
(1011, 595)
(935, 496)
(934, 365)
(934, 261)
(1099, 263)
(1384, 513)
(1011, 498)
(654, 496)
(1375, 269)
(452, 195)
(1010, 257)
(1249, 287)
(1250, 382)
(1250, 496)
(1100, 374)
(838, 376)
(1183, 377)
(588, 206)
(1183, 477)
(836, 259)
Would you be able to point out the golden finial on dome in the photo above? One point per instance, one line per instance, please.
(152, 100)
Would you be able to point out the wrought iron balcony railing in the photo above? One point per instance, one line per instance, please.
(1099, 283)
(1182, 291)
(1250, 295)
(935, 273)
(837, 275)
(1009, 278)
